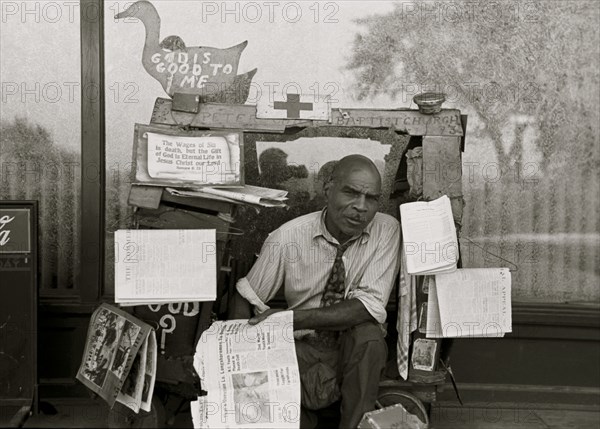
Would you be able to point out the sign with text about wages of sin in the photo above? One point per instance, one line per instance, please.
(189, 158)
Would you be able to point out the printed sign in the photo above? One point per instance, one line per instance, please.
(189, 158)
(208, 159)
(15, 234)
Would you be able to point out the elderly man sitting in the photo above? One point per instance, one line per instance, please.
(337, 267)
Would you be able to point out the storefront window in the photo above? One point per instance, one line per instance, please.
(40, 130)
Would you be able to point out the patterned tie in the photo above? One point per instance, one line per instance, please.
(336, 283)
(334, 293)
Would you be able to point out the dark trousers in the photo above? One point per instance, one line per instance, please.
(351, 373)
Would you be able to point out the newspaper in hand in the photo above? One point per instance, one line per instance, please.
(113, 340)
(250, 373)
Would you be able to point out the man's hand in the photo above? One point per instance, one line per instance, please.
(262, 316)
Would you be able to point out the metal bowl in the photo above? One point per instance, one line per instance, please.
(429, 102)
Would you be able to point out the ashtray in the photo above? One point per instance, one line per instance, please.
(429, 102)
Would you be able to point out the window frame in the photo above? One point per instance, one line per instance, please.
(93, 163)
(93, 174)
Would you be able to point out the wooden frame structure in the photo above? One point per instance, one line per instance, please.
(442, 140)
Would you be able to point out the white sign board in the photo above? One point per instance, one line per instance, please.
(188, 158)
(158, 266)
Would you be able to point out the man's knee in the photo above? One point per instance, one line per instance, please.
(318, 376)
(364, 340)
(367, 332)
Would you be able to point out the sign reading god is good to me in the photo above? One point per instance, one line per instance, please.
(193, 158)
(14, 231)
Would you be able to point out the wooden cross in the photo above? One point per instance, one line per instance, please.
(292, 105)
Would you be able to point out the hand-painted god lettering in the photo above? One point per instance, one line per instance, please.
(189, 70)
(184, 69)
(5, 233)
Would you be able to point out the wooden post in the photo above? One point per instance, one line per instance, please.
(92, 150)
(442, 171)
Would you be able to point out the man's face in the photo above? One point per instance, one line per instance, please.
(352, 201)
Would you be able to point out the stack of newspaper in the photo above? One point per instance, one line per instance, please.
(429, 236)
(250, 373)
(470, 302)
(256, 195)
(119, 360)
(166, 265)
(473, 302)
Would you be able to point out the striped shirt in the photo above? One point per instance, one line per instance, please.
(300, 255)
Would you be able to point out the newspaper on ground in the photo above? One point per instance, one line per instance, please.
(250, 373)
(114, 339)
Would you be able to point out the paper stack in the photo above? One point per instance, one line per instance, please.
(119, 361)
(256, 195)
(429, 236)
(162, 266)
(250, 374)
(470, 302)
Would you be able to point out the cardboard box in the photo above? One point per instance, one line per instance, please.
(394, 416)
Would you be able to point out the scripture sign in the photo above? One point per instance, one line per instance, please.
(188, 158)
(210, 159)
(15, 235)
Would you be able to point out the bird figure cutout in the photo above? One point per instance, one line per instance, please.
(208, 72)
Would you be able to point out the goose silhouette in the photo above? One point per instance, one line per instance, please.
(199, 70)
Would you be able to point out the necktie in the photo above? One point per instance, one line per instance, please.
(336, 283)
(334, 293)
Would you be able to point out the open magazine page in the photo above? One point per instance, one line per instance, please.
(131, 392)
(113, 340)
(250, 373)
(150, 373)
